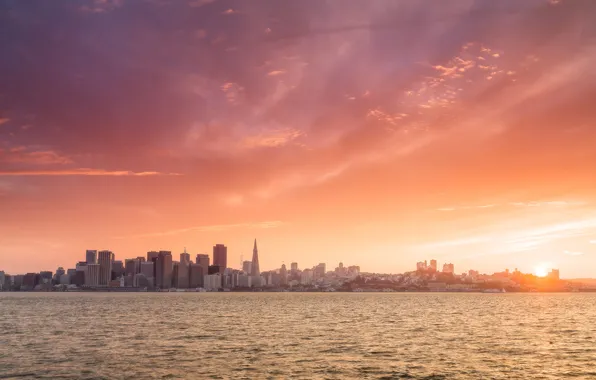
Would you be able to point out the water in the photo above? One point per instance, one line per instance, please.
(297, 335)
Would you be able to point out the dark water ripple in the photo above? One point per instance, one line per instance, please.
(297, 336)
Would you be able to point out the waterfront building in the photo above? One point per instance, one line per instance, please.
(78, 278)
(92, 275)
(64, 279)
(30, 281)
(2, 280)
(105, 259)
(164, 270)
(294, 268)
(244, 280)
(214, 269)
(220, 256)
(185, 257)
(212, 281)
(91, 256)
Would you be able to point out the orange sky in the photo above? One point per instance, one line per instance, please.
(375, 133)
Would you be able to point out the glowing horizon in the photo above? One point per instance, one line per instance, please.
(375, 133)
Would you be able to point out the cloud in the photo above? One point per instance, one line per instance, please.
(83, 172)
(573, 253)
(276, 73)
(211, 228)
(25, 155)
(101, 6)
(229, 11)
(592, 241)
(4, 120)
(272, 138)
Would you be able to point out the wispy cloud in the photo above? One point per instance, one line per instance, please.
(25, 155)
(272, 138)
(276, 72)
(4, 120)
(592, 241)
(573, 253)
(84, 172)
(515, 204)
(209, 228)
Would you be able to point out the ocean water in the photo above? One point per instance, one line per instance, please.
(297, 336)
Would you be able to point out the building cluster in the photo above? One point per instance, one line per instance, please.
(427, 277)
(159, 271)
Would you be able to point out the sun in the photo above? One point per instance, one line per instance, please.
(541, 271)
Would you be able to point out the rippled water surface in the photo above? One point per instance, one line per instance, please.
(297, 335)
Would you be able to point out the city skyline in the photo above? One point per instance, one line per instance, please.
(373, 132)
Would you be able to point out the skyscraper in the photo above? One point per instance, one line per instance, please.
(163, 270)
(104, 260)
(195, 276)
(433, 265)
(185, 257)
(152, 255)
(254, 268)
(283, 273)
(91, 276)
(220, 256)
(91, 256)
(246, 267)
(203, 261)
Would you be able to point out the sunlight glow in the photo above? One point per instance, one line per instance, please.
(541, 271)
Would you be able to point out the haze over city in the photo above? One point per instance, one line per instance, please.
(378, 133)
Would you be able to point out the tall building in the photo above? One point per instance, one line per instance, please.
(195, 277)
(433, 265)
(130, 267)
(283, 274)
(255, 270)
(294, 268)
(163, 270)
(213, 269)
(104, 260)
(185, 257)
(554, 274)
(91, 256)
(246, 267)
(117, 269)
(320, 270)
(203, 261)
(183, 273)
(220, 256)
(92, 273)
(147, 269)
(152, 255)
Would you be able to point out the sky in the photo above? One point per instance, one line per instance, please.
(375, 133)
